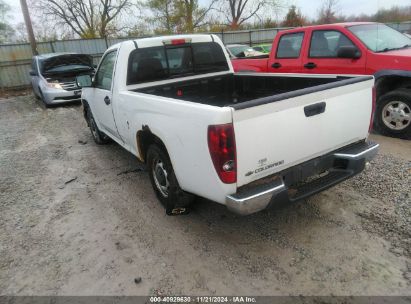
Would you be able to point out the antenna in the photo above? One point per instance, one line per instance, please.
(378, 27)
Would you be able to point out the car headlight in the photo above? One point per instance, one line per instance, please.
(54, 85)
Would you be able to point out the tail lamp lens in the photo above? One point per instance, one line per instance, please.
(221, 143)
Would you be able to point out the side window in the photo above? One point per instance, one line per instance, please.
(104, 75)
(326, 43)
(290, 45)
(258, 48)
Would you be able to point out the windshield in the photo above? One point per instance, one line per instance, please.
(380, 38)
(238, 49)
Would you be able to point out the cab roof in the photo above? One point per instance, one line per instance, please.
(341, 24)
(159, 40)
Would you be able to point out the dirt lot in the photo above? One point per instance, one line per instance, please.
(82, 219)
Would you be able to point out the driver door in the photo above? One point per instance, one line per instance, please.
(102, 99)
(321, 55)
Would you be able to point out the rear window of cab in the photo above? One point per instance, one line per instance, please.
(172, 61)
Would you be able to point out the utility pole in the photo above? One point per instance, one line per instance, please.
(29, 27)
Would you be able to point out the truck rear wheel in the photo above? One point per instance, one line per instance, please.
(165, 183)
(393, 114)
(99, 137)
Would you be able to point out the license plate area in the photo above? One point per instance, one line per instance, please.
(310, 169)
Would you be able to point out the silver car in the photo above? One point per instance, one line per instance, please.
(53, 76)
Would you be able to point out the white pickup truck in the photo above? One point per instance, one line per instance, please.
(245, 140)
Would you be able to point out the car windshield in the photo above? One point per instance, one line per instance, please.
(267, 47)
(380, 38)
(238, 49)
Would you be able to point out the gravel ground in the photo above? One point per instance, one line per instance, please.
(82, 219)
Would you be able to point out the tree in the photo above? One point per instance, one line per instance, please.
(6, 30)
(164, 15)
(140, 29)
(237, 12)
(268, 23)
(88, 18)
(173, 16)
(293, 18)
(328, 12)
(394, 14)
(191, 16)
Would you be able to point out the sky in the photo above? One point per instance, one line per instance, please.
(308, 8)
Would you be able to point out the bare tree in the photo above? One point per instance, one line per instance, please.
(6, 30)
(86, 18)
(236, 12)
(328, 12)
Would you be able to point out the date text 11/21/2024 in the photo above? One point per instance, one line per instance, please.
(203, 299)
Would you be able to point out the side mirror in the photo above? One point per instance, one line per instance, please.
(240, 55)
(95, 66)
(348, 52)
(84, 81)
(32, 73)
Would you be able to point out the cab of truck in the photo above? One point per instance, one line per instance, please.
(357, 48)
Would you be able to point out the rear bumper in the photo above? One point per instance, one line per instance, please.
(292, 185)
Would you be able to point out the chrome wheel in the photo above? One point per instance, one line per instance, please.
(396, 115)
(160, 176)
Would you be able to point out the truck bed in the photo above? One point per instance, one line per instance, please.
(322, 114)
(246, 90)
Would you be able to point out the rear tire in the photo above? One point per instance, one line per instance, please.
(165, 183)
(393, 114)
(99, 137)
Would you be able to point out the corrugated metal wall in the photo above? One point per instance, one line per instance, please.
(15, 59)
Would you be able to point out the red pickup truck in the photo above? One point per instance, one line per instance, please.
(348, 48)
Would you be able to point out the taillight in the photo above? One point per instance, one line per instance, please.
(177, 41)
(221, 143)
(374, 102)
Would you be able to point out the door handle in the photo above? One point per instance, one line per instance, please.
(314, 109)
(107, 100)
(276, 65)
(310, 65)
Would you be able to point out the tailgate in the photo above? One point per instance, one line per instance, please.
(276, 133)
